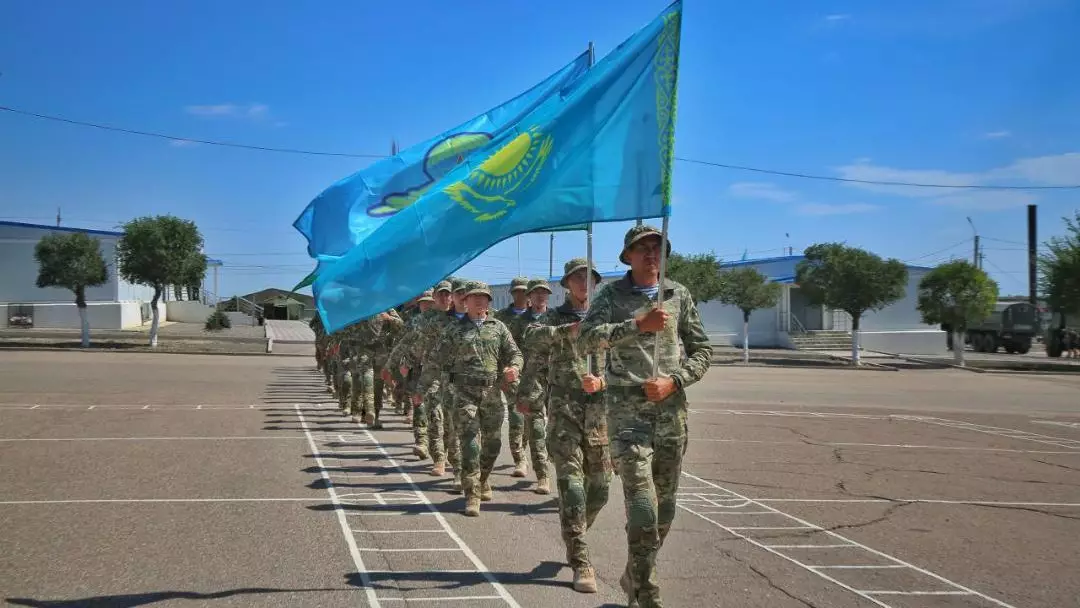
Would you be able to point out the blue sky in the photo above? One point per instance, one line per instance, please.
(943, 91)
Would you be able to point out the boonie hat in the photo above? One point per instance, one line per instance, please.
(637, 233)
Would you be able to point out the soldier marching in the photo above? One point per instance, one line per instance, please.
(579, 384)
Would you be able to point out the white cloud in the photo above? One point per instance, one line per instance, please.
(837, 209)
(182, 143)
(997, 134)
(1050, 170)
(837, 17)
(987, 200)
(250, 111)
(761, 190)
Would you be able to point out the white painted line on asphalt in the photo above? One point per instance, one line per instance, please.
(358, 561)
(834, 546)
(889, 592)
(795, 414)
(146, 407)
(221, 438)
(484, 571)
(1071, 425)
(90, 408)
(929, 501)
(35, 407)
(77, 501)
(408, 550)
(861, 567)
(847, 542)
(451, 598)
(905, 446)
(1062, 442)
(400, 531)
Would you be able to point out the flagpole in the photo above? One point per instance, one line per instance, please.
(660, 294)
(588, 239)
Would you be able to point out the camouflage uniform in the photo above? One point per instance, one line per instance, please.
(438, 396)
(533, 390)
(405, 386)
(359, 376)
(336, 367)
(648, 439)
(320, 345)
(479, 351)
(515, 321)
(420, 333)
(577, 426)
(377, 335)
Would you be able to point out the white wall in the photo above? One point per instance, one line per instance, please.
(724, 325)
(902, 314)
(911, 342)
(19, 270)
(186, 311)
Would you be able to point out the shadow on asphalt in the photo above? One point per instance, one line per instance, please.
(142, 599)
(543, 574)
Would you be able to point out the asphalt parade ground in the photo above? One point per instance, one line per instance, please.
(180, 480)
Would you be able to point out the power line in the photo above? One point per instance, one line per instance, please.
(939, 251)
(696, 161)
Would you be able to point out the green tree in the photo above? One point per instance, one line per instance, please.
(73, 261)
(748, 290)
(160, 251)
(956, 294)
(699, 272)
(853, 280)
(1060, 281)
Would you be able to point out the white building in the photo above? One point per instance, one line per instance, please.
(794, 322)
(115, 305)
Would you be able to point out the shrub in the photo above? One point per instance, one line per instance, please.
(217, 321)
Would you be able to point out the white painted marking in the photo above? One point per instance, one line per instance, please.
(861, 567)
(929, 501)
(488, 576)
(840, 546)
(847, 542)
(151, 500)
(358, 561)
(884, 592)
(146, 407)
(35, 407)
(451, 598)
(1062, 442)
(90, 408)
(198, 407)
(774, 527)
(221, 438)
(1071, 425)
(362, 531)
(406, 550)
(901, 446)
(424, 571)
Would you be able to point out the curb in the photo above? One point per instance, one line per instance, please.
(931, 363)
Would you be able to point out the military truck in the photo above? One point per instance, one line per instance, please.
(1012, 326)
(1055, 331)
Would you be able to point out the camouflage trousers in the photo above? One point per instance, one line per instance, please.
(362, 397)
(517, 426)
(338, 371)
(444, 444)
(578, 443)
(480, 414)
(536, 441)
(648, 441)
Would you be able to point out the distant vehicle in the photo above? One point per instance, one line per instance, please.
(1055, 332)
(1012, 326)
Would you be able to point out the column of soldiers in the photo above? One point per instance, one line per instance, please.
(577, 383)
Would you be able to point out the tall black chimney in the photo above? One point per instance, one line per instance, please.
(1032, 257)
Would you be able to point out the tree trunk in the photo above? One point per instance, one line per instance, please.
(855, 340)
(958, 347)
(84, 320)
(156, 315)
(746, 337)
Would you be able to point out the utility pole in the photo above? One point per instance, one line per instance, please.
(976, 257)
(58, 217)
(1033, 259)
(551, 255)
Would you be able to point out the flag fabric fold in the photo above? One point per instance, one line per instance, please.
(600, 150)
(354, 207)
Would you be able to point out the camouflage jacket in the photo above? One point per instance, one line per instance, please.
(553, 359)
(610, 323)
(433, 362)
(376, 336)
(533, 385)
(477, 355)
(409, 349)
(515, 322)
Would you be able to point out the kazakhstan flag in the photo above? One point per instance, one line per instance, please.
(348, 211)
(600, 150)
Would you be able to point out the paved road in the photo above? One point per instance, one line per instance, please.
(134, 480)
(289, 331)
